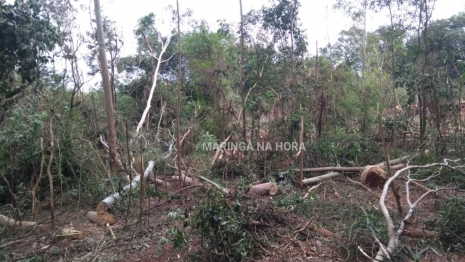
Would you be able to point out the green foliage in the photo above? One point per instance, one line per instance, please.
(223, 228)
(360, 234)
(292, 199)
(26, 35)
(175, 234)
(345, 148)
(450, 224)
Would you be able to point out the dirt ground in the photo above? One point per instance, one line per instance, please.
(291, 234)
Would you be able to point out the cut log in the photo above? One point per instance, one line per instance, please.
(115, 197)
(270, 188)
(101, 218)
(6, 221)
(373, 176)
(419, 233)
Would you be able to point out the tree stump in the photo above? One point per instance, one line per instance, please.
(101, 218)
(373, 176)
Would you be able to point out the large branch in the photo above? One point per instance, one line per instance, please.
(154, 84)
(394, 236)
(115, 197)
(338, 171)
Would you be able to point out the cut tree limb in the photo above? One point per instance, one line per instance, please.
(419, 232)
(224, 190)
(395, 163)
(115, 197)
(270, 188)
(6, 221)
(189, 181)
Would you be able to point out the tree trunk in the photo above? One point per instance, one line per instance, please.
(241, 76)
(106, 89)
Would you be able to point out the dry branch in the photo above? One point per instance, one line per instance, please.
(189, 181)
(394, 235)
(224, 190)
(6, 221)
(115, 197)
(394, 163)
(419, 233)
(220, 149)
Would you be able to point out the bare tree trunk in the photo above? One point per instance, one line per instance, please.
(292, 57)
(241, 75)
(106, 89)
(178, 108)
(393, 76)
(49, 173)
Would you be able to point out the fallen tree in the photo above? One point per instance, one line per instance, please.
(395, 232)
(115, 197)
(395, 165)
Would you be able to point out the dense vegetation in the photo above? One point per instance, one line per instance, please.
(397, 88)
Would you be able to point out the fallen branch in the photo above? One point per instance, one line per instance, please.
(111, 231)
(220, 149)
(187, 180)
(310, 190)
(6, 221)
(224, 190)
(7, 244)
(115, 197)
(394, 164)
(394, 236)
(419, 232)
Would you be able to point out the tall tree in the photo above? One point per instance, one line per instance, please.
(109, 109)
(241, 74)
(178, 106)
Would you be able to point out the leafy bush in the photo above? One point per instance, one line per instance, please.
(223, 228)
(450, 224)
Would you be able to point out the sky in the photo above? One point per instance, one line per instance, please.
(320, 22)
(317, 17)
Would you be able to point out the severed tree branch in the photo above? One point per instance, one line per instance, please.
(394, 236)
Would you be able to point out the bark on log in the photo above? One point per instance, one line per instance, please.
(270, 188)
(6, 221)
(101, 218)
(115, 197)
(321, 178)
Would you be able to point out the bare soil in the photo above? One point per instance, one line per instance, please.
(332, 207)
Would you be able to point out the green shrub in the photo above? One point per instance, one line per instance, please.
(223, 228)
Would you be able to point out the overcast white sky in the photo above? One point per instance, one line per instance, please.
(317, 17)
